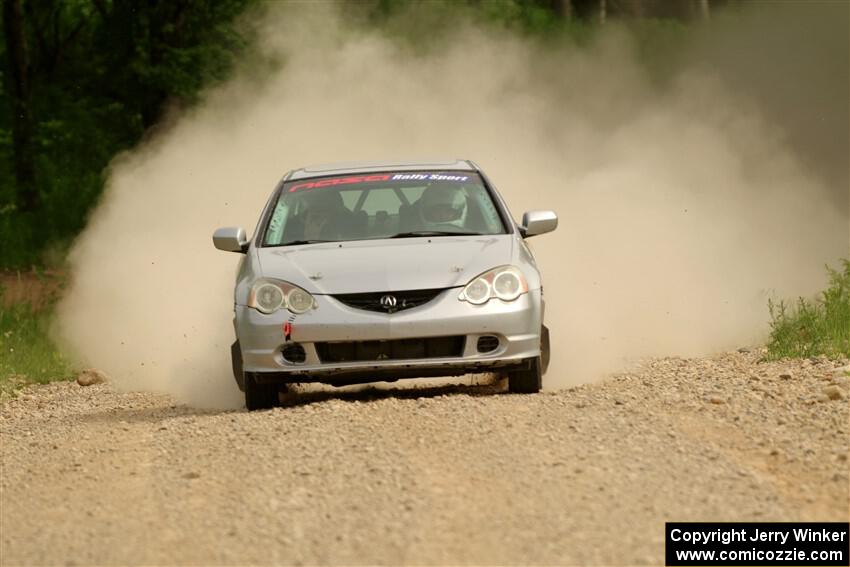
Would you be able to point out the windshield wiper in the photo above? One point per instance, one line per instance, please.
(415, 233)
(297, 242)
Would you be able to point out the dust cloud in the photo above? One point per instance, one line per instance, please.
(683, 205)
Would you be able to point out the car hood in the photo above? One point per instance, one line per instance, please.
(386, 265)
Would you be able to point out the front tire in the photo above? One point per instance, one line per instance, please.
(236, 362)
(528, 381)
(545, 352)
(259, 396)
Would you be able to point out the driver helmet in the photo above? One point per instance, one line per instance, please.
(443, 205)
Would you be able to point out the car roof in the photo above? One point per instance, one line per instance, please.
(374, 166)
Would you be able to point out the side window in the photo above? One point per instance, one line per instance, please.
(412, 193)
(349, 198)
(381, 200)
(486, 206)
(274, 234)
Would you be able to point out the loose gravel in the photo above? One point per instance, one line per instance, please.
(586, 475)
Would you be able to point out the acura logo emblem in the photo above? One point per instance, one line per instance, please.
(389, 302)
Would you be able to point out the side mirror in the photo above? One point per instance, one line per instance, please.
(231, 239)
(538, 222)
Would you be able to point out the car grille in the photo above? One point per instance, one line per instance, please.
(399, 349)
(388, 301)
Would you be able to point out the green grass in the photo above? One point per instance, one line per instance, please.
(27, 355)
(820, 326)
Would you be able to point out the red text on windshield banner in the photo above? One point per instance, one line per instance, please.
(339, 181)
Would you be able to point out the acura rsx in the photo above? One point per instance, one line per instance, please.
(383, 271)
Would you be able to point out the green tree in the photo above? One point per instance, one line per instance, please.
(19, 94)
(83, 80)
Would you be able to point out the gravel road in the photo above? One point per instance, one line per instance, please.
(586, 475)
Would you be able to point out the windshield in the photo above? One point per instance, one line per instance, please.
(382, 205)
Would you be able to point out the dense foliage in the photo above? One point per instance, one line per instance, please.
(97, 76)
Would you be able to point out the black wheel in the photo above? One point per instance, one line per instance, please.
(526, 381)
(236, 362)
(545, 353)
(258, 395)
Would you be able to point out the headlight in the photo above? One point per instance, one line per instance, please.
(298, 300)
(505, 282)
(267, 296)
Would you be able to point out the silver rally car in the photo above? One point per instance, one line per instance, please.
(375, 272)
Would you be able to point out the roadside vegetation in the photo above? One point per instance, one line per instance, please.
(27, 354)
(813, 327)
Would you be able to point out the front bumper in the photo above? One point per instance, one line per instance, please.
(517, 325)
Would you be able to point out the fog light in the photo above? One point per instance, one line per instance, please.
(488, 343)
(294, 353)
